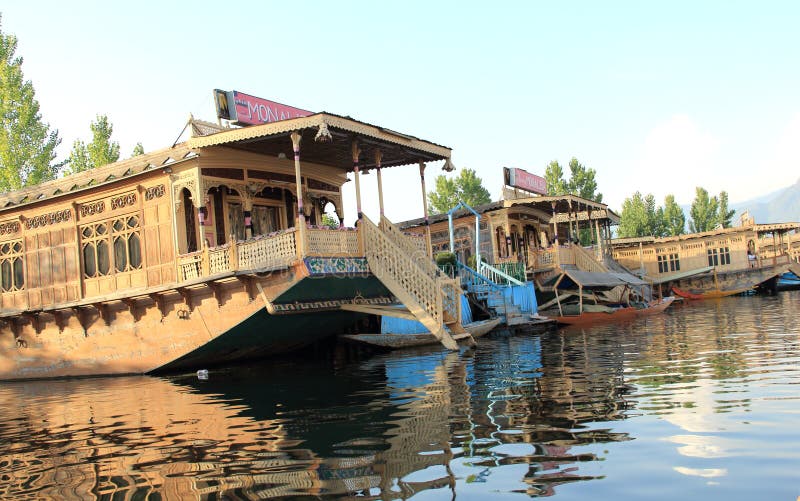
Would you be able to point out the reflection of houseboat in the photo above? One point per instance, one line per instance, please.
(715, 263)
(201, 254)
(538, 238)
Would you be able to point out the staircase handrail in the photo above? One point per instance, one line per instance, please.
(469, 277)
(495, 275)
(585, 259)
(424, 261)
(389, 260)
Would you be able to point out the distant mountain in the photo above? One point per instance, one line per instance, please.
(782, 206)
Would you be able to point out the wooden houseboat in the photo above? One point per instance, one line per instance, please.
(715, 263)
(537, 238)
(210, 251)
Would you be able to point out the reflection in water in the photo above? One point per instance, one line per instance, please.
(700, 401)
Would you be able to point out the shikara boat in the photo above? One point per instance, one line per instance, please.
(788, 281)
(602, 313)
(391, 341)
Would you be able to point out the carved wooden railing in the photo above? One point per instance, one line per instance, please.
(420, 291)
(190, 266)
(329, 242)
(542, 259)
(410, 245)
(586, 261)
(267, 253)
(219, 260)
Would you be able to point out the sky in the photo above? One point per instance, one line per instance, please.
(657, 97)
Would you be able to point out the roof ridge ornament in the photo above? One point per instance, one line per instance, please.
(448, 165)
(323, 134)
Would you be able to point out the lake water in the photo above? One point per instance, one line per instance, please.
(702, 402)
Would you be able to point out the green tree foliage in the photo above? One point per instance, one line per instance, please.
(674, 219)
(330, 221)
(554, 175)
(137, 150)
(582, 181)
(467, 188)
(100, 151)
(724, 215)
(704, 212)
(27, 145)
(641, 217)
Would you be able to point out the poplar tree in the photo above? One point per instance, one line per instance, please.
(137, 150)
(704, 212)
(467, 188)
(674, 219)
(100, 151)
(27, 145)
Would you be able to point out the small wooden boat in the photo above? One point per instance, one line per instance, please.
(788, 281)
(397, 341)
(711, 294)
(600, 313)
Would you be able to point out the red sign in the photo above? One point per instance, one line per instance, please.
(524, 180)
(251, 110)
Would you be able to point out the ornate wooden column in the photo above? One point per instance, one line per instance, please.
(301, 218)
(356, 174)
(425, 208)
(378, 157)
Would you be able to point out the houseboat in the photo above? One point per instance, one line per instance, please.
(559, 244)
(211, 251)
(716, 263)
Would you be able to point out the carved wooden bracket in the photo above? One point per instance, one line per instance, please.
(216, 288)
(187, 297)
(158, 299)
(131, 304)
(249, 286)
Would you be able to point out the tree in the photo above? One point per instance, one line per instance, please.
(633, 219)
(27, 145)
(724, 216)
(703, 212)
(101, 151)
(554, 176)
(674, 219)
(330, 221)
(467, 188)
(137, 150)
(582, 181)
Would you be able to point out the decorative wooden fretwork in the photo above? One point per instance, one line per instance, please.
(273, 252)
(122, 201)
(92, 208)
(9, 227)
(326, 242)
(154, 192)
(12, 275)
(112, 245)
(55, 217)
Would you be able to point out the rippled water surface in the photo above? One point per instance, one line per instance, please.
(702, 402)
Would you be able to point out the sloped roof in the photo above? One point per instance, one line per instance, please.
(335, 149)
(96, 177)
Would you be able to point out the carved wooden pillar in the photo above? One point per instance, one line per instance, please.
(425, 208)
(301, 220)
(378, 157)
(356, 174)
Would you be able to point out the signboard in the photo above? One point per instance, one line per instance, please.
(524, 180)
(244, 109)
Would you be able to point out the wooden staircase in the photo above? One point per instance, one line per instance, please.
(431, 297)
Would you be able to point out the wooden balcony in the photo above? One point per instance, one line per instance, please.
(269, 252)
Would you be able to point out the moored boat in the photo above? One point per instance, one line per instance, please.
(394, 341)
(604, 313)
(210, 252)
(717, 263)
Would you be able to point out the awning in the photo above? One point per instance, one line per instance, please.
(680, 275)
(573, 279)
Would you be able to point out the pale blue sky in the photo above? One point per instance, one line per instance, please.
(657, 97)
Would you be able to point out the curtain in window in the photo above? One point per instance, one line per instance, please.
(265, 220)
(236, 220)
